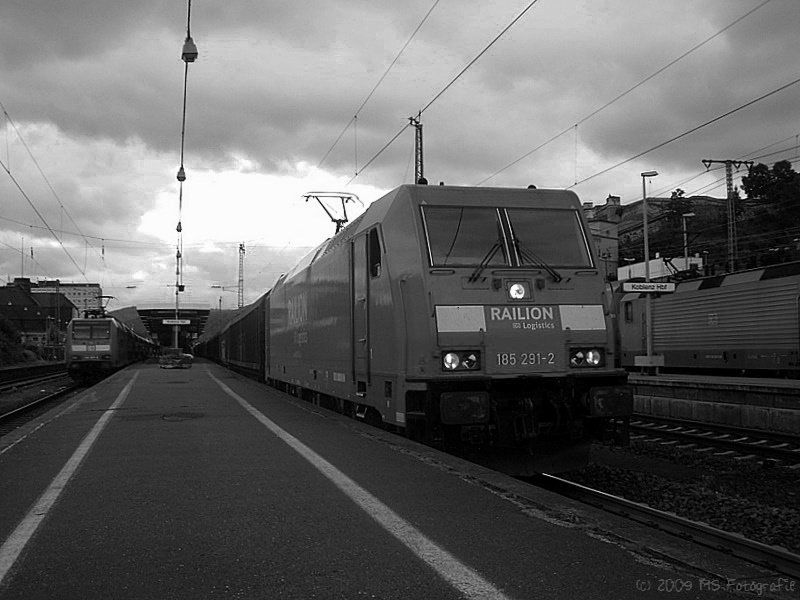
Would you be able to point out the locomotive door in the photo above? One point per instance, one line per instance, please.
(360, 313)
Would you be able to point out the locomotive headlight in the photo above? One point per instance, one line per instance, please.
(594, 358)
(450, 361)
(586, 357)
(519, 290)
(461, 360)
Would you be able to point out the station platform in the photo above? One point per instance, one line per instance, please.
(200, 483)
(766, 404)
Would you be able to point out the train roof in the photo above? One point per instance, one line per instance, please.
(771, 272)
(233, 317)
(431, 194)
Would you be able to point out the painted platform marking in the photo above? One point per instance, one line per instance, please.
(465, 579)
(20, 537)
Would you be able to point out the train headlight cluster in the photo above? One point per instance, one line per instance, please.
(461, 360)
(519, 290)
(586, 357)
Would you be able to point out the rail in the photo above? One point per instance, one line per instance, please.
(771, 557)
(782, 447)
(7, 416)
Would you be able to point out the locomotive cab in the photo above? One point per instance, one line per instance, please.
(521, 355)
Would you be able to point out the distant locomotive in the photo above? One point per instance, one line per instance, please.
(96, 347)
(741, 323)
(470, 318)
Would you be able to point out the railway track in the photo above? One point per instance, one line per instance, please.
(771, 557)
(24, 382)
(18, 409)
(701, 437)
(12, 375)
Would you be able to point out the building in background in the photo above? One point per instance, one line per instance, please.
(85, 296)
(39, 318)
(604, 226)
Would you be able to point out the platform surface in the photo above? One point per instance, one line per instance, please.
(199, 483)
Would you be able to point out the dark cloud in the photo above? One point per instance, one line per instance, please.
(276, 83)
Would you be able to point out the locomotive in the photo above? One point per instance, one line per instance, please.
(741, 323)
(98, 346)
(468, 318)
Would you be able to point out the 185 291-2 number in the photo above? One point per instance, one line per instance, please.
(523, 359)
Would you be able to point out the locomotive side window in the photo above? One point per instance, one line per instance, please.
(552, 237)
(463, 236)
(374, 253)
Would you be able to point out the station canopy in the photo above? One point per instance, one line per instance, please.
(160, 324)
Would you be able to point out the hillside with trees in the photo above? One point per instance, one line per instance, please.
(767, 223)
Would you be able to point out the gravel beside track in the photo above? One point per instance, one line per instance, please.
(753, 498)
(50, 392)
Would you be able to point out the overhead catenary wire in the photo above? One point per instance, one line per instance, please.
(689, 131)
(752, 155)
(18, 185)
(354, 120)
(22, 254)
(41, 217)
(623, 94)
(188, 55)
(33, 158)
(446, 87)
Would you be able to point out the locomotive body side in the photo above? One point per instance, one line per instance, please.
(338, 324)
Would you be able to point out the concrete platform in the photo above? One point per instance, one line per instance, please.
(771, 405)
(202, 484)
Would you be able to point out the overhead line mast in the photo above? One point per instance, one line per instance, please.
(729, 164)
(241, 275)
(419, 165)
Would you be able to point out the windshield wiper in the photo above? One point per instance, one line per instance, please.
(485, 262)
(530, 257)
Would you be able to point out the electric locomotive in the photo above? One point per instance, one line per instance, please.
(740, 323)
(470, 318)
(98, 346)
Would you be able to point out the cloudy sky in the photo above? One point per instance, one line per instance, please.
(92, 93)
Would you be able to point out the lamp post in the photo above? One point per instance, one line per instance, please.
(685, 216)
(647, 305)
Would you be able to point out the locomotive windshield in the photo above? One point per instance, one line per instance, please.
(91, 331)
(461, 236)
(551, 237)
(468, 236)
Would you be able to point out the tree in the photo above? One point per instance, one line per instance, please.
(774, 218)
(779, 187)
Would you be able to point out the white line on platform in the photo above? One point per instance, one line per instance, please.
(17, 541)
(465, 579)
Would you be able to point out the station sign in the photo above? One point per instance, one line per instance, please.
(648, 287)
(176, 321)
